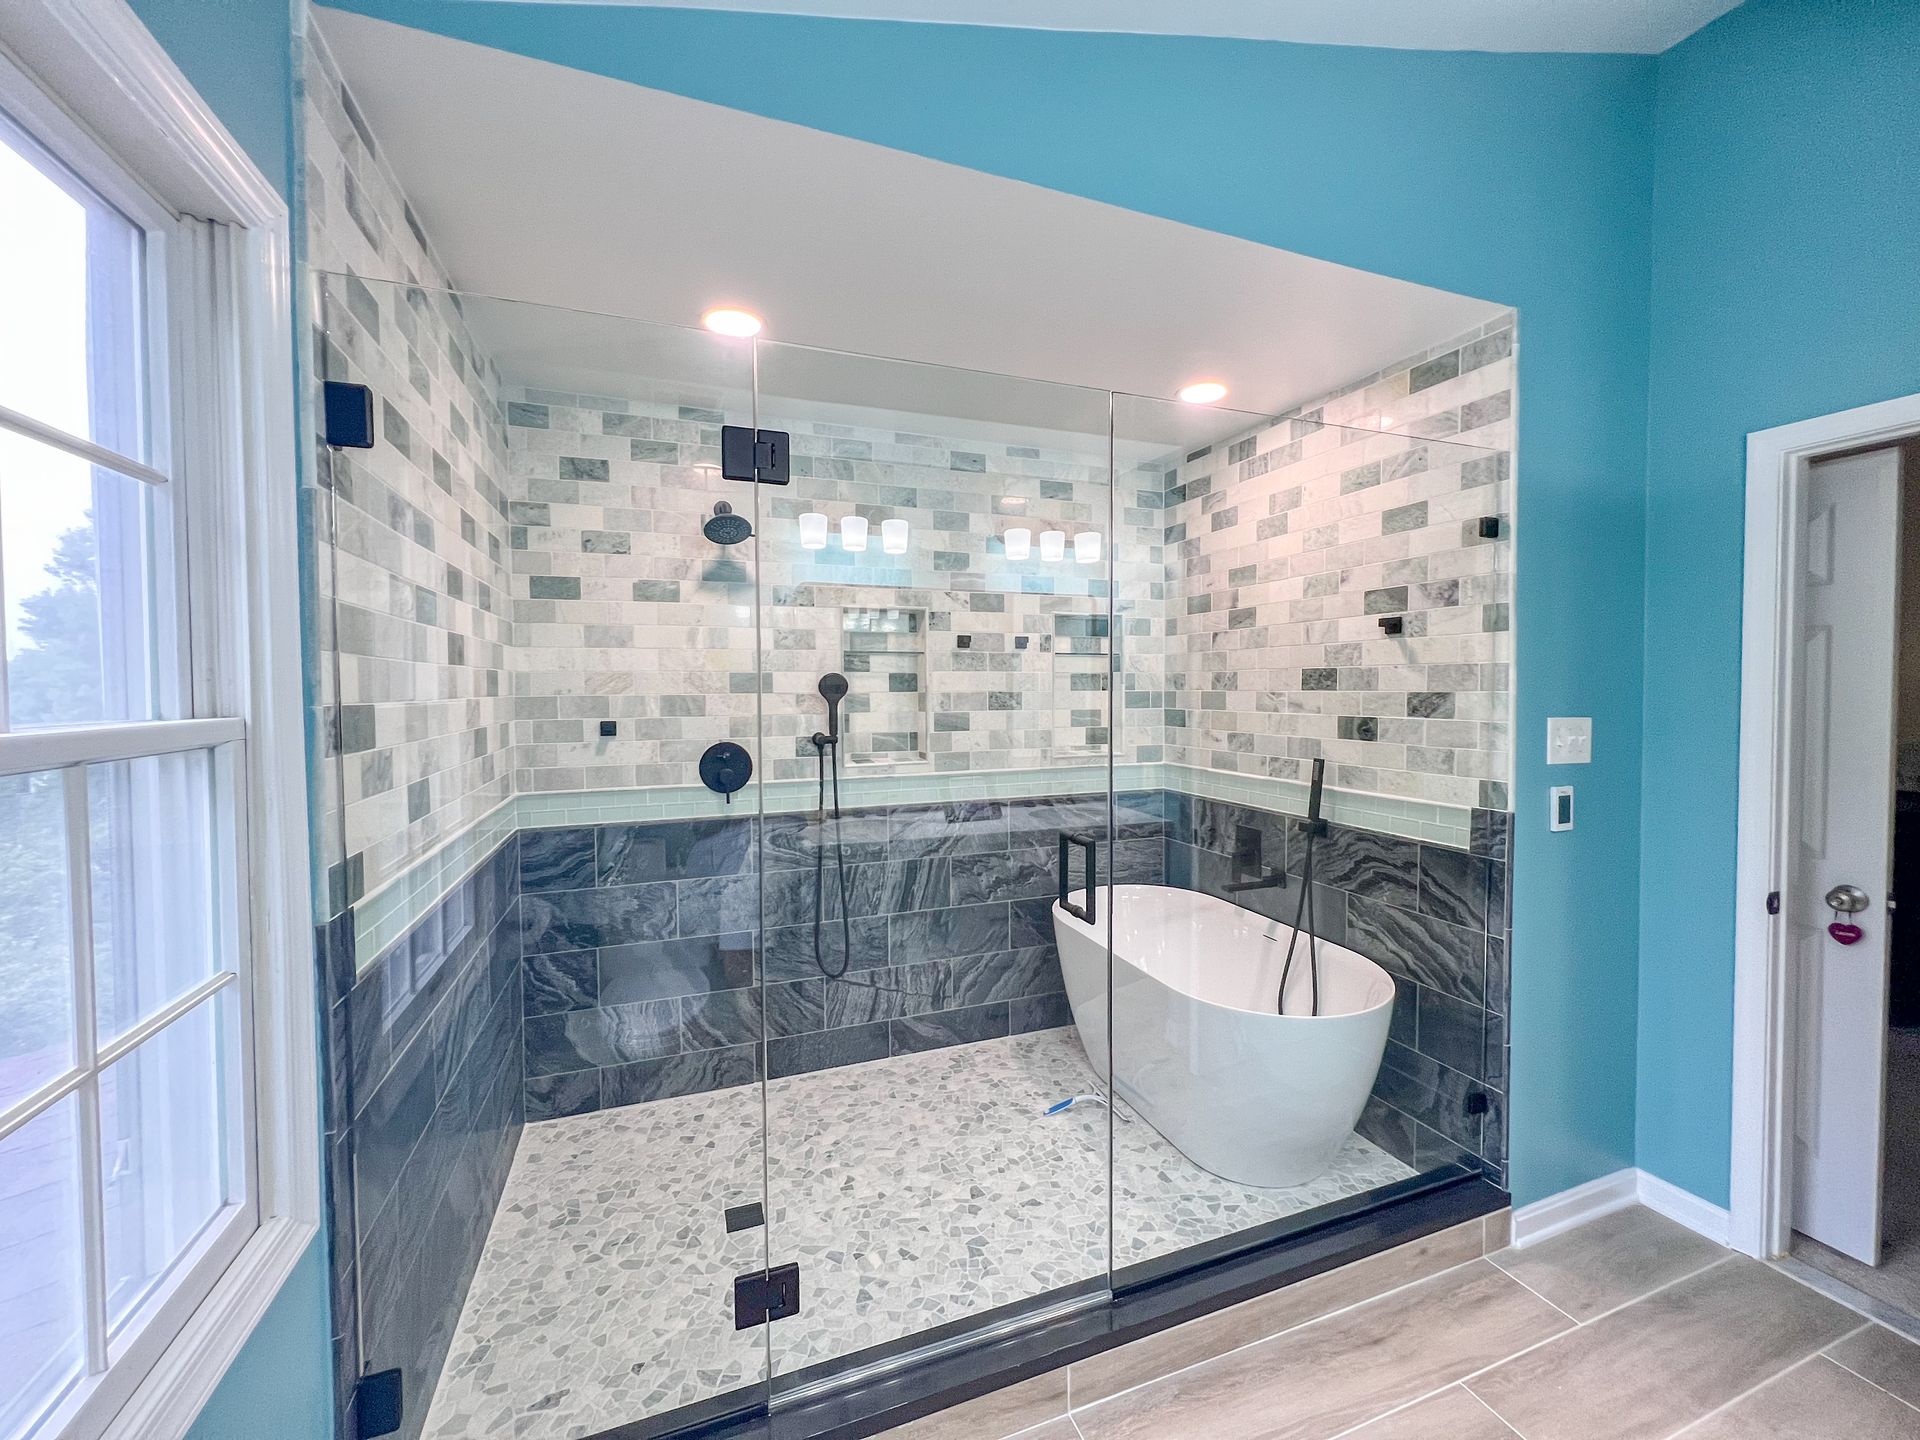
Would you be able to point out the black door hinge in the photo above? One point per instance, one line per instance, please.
(349, 415)
(376, 1404)
(759, 456)
(1773, 902)
(763, 1295)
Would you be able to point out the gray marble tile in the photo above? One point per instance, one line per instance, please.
(938, 934)
(549, 1097)
(950, 1027)
(1453, 886)
(696, 1073)
(611, 1035)
(566, 980)
(1420, 948)
(679, 850)
(960, 827)
(556, 859)
(590, 919)
(661, 969)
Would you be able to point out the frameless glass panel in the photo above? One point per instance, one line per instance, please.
(936, 674)
(36, 935)
(1334, 597)
(170, 1146)
(153, 855)
(42, 1306)
(78, 565)
(70, 289)
(537, 592)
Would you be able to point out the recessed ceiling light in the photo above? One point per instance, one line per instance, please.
(1203, 392)
(731, 320)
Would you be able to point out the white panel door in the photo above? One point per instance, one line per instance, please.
(1849, 561)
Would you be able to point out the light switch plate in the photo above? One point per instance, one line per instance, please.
(1560, 808)
(1569, 740)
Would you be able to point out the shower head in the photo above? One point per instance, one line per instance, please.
(725, 527)
(833, 689)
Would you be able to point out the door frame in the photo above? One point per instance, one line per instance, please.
(1760, 1212)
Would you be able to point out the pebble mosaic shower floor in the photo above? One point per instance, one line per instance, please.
(914, 1192)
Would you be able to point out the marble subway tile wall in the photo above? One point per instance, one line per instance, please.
(644, 979)
(1287, 545)
(413, 532)
(959, 657)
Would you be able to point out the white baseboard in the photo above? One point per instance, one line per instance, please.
(1685, 1208)
(1558, 1213)
(1549, 1217)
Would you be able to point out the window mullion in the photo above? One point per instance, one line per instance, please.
(93, 1194)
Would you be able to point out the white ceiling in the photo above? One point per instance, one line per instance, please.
(1641, 27)
(596, 195)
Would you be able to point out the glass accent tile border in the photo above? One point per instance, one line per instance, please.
(396, 907)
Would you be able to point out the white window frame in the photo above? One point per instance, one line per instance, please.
(88, 80)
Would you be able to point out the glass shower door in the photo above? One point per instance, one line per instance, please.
(937, 663)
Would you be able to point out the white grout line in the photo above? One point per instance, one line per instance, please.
(1495, 1413)
(1529, 1289)
(1828, 1355)
(1721, 1409)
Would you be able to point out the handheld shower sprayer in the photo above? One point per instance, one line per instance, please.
(826, 748)
(833, 689)
(1314, 828)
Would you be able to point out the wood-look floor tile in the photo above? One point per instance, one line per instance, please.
(1156, 1355)
(1814, 1401)
(1499, 1226)
(1017, 1408)
(1609, 1261)
(1666, 1360)
(1453, 1414)
(1889, 1360)
(1341, 1371)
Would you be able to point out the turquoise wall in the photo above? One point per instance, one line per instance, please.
(239, 55)
(281, 1383)
(1525, 179)
(1786, 284)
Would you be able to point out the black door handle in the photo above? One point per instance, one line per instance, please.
(1091, 846)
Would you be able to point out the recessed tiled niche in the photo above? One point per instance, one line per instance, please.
(883, 650)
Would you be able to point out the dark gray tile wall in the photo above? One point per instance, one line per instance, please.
(1436, 918)
(643, 979)
(425, 1101)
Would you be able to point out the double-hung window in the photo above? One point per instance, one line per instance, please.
(129, 1170)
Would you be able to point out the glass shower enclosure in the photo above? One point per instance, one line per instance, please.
(776, 871)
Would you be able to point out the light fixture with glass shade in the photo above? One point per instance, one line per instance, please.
(1019, 542)
(893, 536)
(813, 531)
(853, 532)
(1053, 544)
(1086, 547)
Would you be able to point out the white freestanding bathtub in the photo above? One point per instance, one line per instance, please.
(1253, 1096)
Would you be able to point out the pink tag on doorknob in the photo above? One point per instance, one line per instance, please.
(1843, 932)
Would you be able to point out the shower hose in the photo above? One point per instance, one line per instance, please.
(822, 748)
(1304, 908)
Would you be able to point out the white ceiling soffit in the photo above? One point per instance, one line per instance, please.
(567, 189)
(1632, 27)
